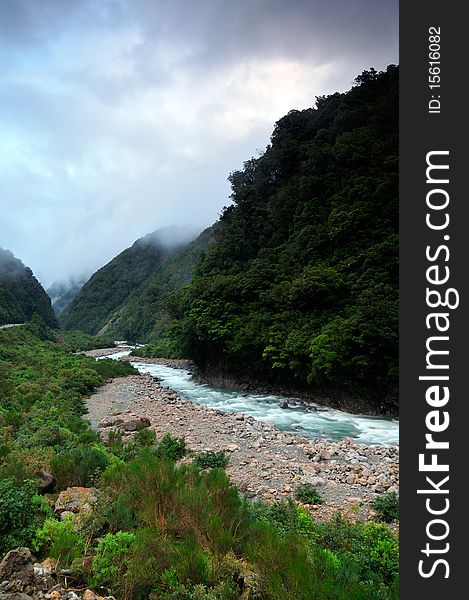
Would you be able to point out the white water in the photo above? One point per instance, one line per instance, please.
(307, 419)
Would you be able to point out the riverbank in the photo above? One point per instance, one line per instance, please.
(264, 462)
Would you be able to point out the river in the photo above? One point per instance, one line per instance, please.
(307, 419)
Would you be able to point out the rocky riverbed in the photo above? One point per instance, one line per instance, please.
(264, 462)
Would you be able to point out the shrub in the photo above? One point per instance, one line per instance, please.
(284, 566)
(285, 517)
(307, 493)
(369, 550)
(211, 460)
(380, 550)
(111, 559)
(78, 466)
(172, 448)
(108, 368)
(21, 511)
(60, 540)
(387, 507)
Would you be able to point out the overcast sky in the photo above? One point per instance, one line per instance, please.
(118, 117)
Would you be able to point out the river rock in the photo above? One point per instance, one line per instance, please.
(136, 424)
(317, 481)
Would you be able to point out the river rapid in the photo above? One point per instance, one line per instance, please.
(292, 415)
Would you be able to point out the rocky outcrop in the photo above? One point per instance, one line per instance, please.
(19, 578)
(75, 500)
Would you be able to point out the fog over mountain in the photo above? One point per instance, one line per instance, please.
(121, 117)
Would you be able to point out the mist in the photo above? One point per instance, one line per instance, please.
(119, 118)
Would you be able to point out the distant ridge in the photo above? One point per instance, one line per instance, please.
(21, 294)
(103, 295)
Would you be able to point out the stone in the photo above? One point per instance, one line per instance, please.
(89, 595)
(49, 564)
(136, 424)
(74, 498)
(232, 447)
(45, 482)
(17, 564)
(317, 481)
(55, 595)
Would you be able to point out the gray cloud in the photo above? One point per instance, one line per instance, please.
(122, 116)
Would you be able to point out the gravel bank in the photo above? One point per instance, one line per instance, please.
(264, 462)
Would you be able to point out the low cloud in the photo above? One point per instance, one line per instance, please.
(121, 117)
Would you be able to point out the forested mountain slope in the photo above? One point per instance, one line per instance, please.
(21, 294)
(111, 285)
(302, 287)
(144, 316)
(109, 288)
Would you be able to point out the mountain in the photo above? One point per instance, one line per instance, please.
(21, 294)
(108, 289)
(145, 317)
(62, 293)
(301, 288)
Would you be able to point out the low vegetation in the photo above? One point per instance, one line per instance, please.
(387, 507)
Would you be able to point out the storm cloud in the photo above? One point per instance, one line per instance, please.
(120, 117)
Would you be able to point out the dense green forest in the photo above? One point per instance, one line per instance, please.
(157, 529)
(301, 288)
(98, 301)
(21, 295)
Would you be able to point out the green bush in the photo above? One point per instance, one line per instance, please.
(60, 540)
(111, 559)
(21, 511)
(285, 517)
(211, 460)
(307, 493)
(284, 566)
(78, 466)
(370, 550)
(172, 448)
(387, 507)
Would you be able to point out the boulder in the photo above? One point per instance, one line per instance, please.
(45, 482)
(76, 499)
(17, 564)
(136, 424)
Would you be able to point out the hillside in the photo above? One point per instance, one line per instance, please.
(301, 289)
(144, 317)
(109, 288)
(21, 294)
